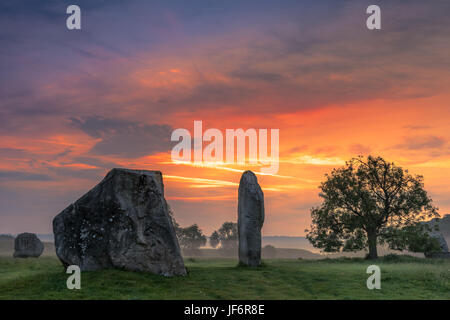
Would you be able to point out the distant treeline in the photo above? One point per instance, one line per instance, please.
(6, 237)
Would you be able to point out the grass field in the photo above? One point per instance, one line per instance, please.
(220, 278)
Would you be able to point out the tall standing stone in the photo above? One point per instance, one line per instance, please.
(250, 219)
(27, 245)
(123, 222)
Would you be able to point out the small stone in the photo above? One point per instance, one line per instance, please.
(27, 245)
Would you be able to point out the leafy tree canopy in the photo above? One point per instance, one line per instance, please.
(369, 202)
(226, 236)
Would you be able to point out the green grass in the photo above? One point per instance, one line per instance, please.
(220, 278)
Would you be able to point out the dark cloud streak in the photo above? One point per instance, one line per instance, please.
(125, 138)
(23, 176)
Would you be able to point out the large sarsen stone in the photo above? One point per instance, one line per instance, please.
(250, 219)
(123, 222)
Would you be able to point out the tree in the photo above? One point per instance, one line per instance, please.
(227, 237)
(369, 202)
(192, 238)
(214, 239)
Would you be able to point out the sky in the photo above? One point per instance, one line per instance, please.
(76, 103)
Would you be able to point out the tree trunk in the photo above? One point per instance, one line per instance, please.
(372, 238)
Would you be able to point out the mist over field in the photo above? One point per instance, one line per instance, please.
(287, 247)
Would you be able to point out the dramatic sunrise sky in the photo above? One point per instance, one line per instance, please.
(74, 104)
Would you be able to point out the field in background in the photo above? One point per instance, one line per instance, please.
(220, 278)
(7, 249)
(287, 247)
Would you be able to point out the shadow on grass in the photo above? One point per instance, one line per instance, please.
(242, 265)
